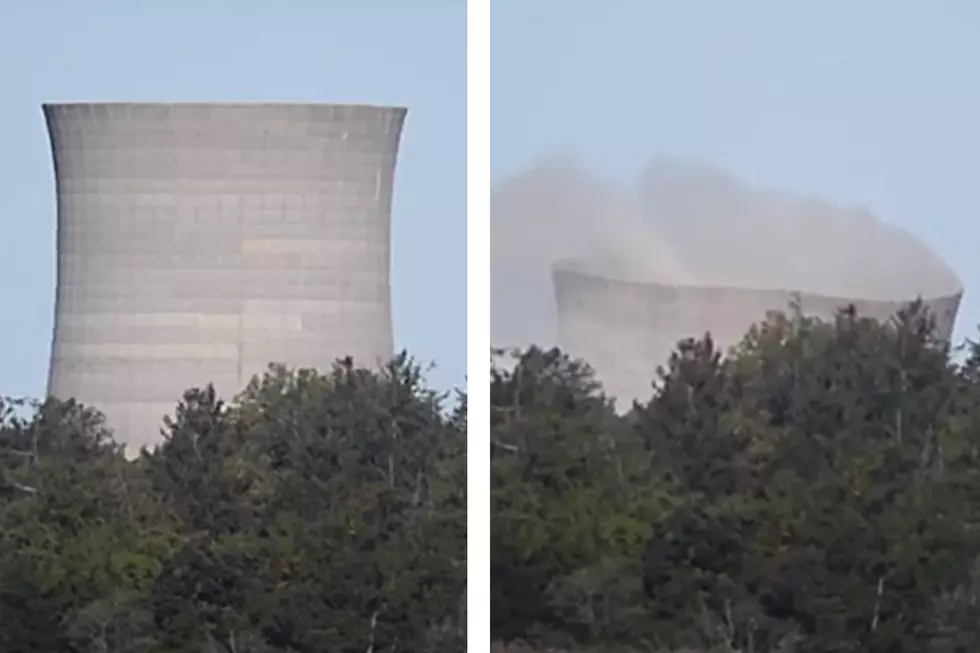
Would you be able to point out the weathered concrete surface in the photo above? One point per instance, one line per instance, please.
(199, 242)
(624, 329)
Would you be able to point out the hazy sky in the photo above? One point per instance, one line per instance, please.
(376, 51)
(870, 103)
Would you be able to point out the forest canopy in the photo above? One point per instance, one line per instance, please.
(315, 512)
(816, 490)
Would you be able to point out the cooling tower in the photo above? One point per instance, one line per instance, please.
(625, 328)
(199, 242)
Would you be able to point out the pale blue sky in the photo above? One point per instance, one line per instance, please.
(871, 103)
(371, 51)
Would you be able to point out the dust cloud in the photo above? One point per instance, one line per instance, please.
(684, 223)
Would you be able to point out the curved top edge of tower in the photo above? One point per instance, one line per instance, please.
(311, 109)
(570, 273)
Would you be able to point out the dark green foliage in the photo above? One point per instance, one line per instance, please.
(313, 513)
(816, 490)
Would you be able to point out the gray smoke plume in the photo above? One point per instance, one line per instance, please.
(687, 224)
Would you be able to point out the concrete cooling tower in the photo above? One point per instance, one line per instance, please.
(625, 328)
(199, 242)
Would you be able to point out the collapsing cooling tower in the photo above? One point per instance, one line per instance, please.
(625, 328)
(197, 243)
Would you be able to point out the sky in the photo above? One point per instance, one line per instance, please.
(367, 52)
(871, 104)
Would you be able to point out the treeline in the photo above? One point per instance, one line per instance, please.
(314, 513)
(817, 491)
